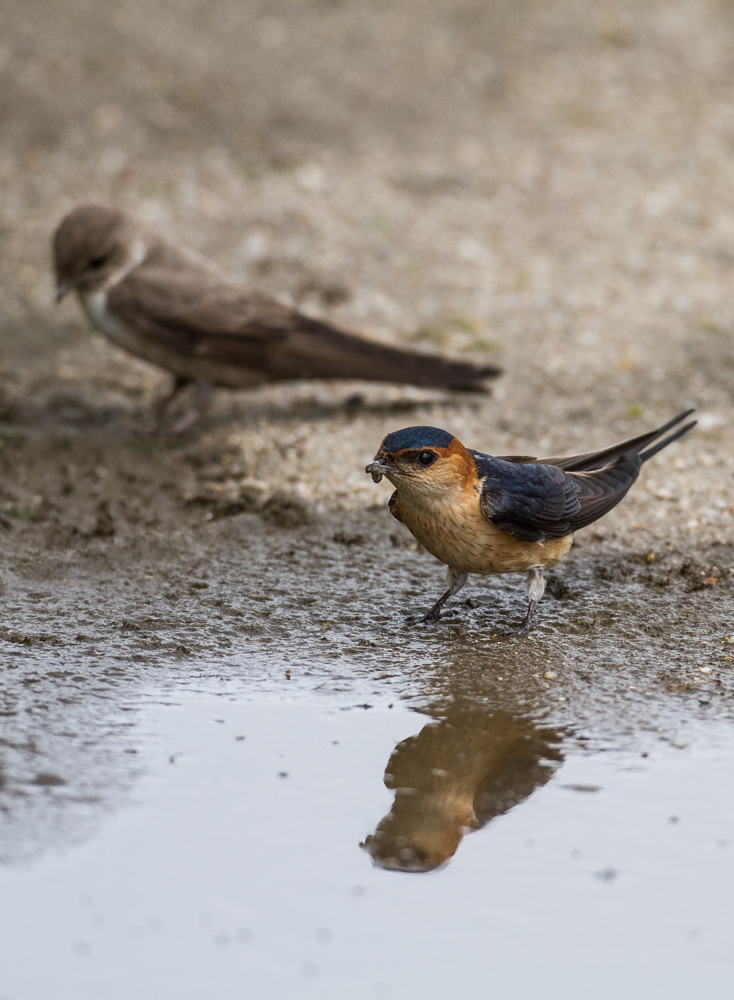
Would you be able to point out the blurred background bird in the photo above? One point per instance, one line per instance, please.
(178, 311)
(482, 514)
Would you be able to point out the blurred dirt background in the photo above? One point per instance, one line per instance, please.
(547, 185)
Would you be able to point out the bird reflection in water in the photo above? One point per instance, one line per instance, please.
(453, 777)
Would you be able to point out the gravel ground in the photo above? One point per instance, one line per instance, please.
(549, 186)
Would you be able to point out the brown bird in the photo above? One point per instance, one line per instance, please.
(178, 311)
(481, 514)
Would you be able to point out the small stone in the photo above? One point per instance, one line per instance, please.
(607, 874)
(550, 675)
(47, 778)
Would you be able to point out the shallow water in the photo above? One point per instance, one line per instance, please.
(549, 816)
(237, 867)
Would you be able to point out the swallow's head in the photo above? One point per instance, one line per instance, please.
(420, 833)
(424, 460)
(94, 247)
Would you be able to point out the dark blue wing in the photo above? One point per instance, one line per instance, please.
(531, 502)
(550, 498)
(534, 502)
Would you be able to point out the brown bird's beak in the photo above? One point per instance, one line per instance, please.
(62, 290)
(377, 469)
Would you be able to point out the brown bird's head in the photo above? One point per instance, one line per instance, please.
(94, 247)
(424, 461)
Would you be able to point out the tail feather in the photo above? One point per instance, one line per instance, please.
(323, 351)
(601, 486)
(597, 459)
(649, 452)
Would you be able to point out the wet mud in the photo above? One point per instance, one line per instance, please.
(626, 646)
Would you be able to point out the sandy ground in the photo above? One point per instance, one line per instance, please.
(549, 186)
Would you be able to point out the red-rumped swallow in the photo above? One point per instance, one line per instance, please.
(178, 311)
(482, 514)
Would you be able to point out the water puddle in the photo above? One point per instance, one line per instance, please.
(318, 846)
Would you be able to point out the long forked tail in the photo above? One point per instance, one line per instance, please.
(323, 351)
(649, 452)
(643, 446)
(605, 477)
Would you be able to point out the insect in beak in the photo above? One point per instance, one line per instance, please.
(378, 469)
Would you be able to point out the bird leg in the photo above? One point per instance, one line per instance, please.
(536, 589)
(179, 382)
(456, 581)
(202, 399)
(161, 405)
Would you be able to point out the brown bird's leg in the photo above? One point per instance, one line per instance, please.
(536, 589)
(202, 399)
(161, 405)
(456, 581)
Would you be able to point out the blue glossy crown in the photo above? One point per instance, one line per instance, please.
(417, 437)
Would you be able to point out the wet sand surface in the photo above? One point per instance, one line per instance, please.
(544, 186)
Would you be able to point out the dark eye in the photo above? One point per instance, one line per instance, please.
(427, 457)
(96, 262)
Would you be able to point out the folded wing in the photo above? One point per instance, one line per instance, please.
(196, 313)
(531, 502)
(537, 499)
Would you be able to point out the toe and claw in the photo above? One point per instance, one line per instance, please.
(525, 626)
(536, 587)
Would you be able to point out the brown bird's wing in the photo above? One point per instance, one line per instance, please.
(199, 315)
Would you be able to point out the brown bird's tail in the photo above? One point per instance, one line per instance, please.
(331, 353)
